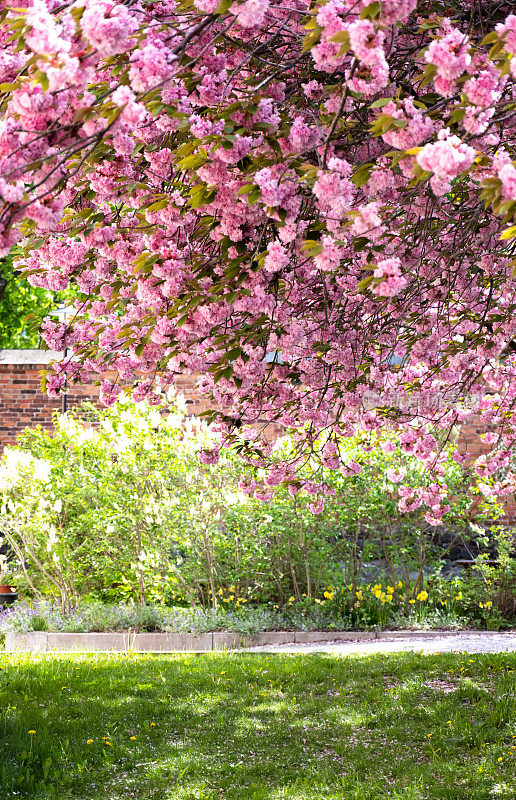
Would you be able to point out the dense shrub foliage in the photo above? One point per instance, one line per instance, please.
(123, 505)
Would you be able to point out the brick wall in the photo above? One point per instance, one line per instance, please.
(22, 403)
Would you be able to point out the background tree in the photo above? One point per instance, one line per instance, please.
(22, 308)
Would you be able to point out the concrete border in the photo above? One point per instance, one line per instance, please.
(216, 641)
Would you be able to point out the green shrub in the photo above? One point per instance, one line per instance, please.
(116, 506)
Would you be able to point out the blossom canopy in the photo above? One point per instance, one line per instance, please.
(330, 182)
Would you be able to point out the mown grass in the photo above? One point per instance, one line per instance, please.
(258, 727)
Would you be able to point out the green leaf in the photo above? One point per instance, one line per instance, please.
(365, 282)
(371, 11)
(312, 39)
(383, 101)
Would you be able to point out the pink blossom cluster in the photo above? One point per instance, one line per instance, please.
(446, 159)
(449, 55)
(390, 281)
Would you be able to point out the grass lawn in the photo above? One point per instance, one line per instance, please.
(257, 727)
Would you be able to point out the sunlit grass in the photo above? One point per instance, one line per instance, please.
(257, 727)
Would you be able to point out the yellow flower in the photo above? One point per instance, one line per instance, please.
(422, 595)
(153, 724)
(458, 596)
(359, 595)
(400, 585)
(291, 599)
(109, 743)
(489, 604)
(133, 738)
(500, 759)
(390, 589)
(89, 741)
(411, 601)
(31, 732)
(328, 595)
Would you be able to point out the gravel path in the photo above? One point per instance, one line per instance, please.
(482, 642)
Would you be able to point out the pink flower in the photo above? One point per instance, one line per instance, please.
(47, 36)
(396, 476)
(507, 31)
(368, 221)
(391, 280)
(317, 507)
(418, 127)
(277, 258)
(109, 392)
(333, 190)
(250, 13)
(507, 175)
(301, 136)
(446, 158)
(396, 10)
(209, 456)
(208, 6)
(366, 42)
(330, 256)
(108, 26)
(450, 55)
(369, 80)
(484, 89)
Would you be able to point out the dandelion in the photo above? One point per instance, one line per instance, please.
(31, 732)
(500, 759)
(132, 738)
(89, 741)
(153, 724)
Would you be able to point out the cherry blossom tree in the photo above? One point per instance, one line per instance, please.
(311, 204)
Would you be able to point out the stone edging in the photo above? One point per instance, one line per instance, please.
(122, 642)
(29, 357)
